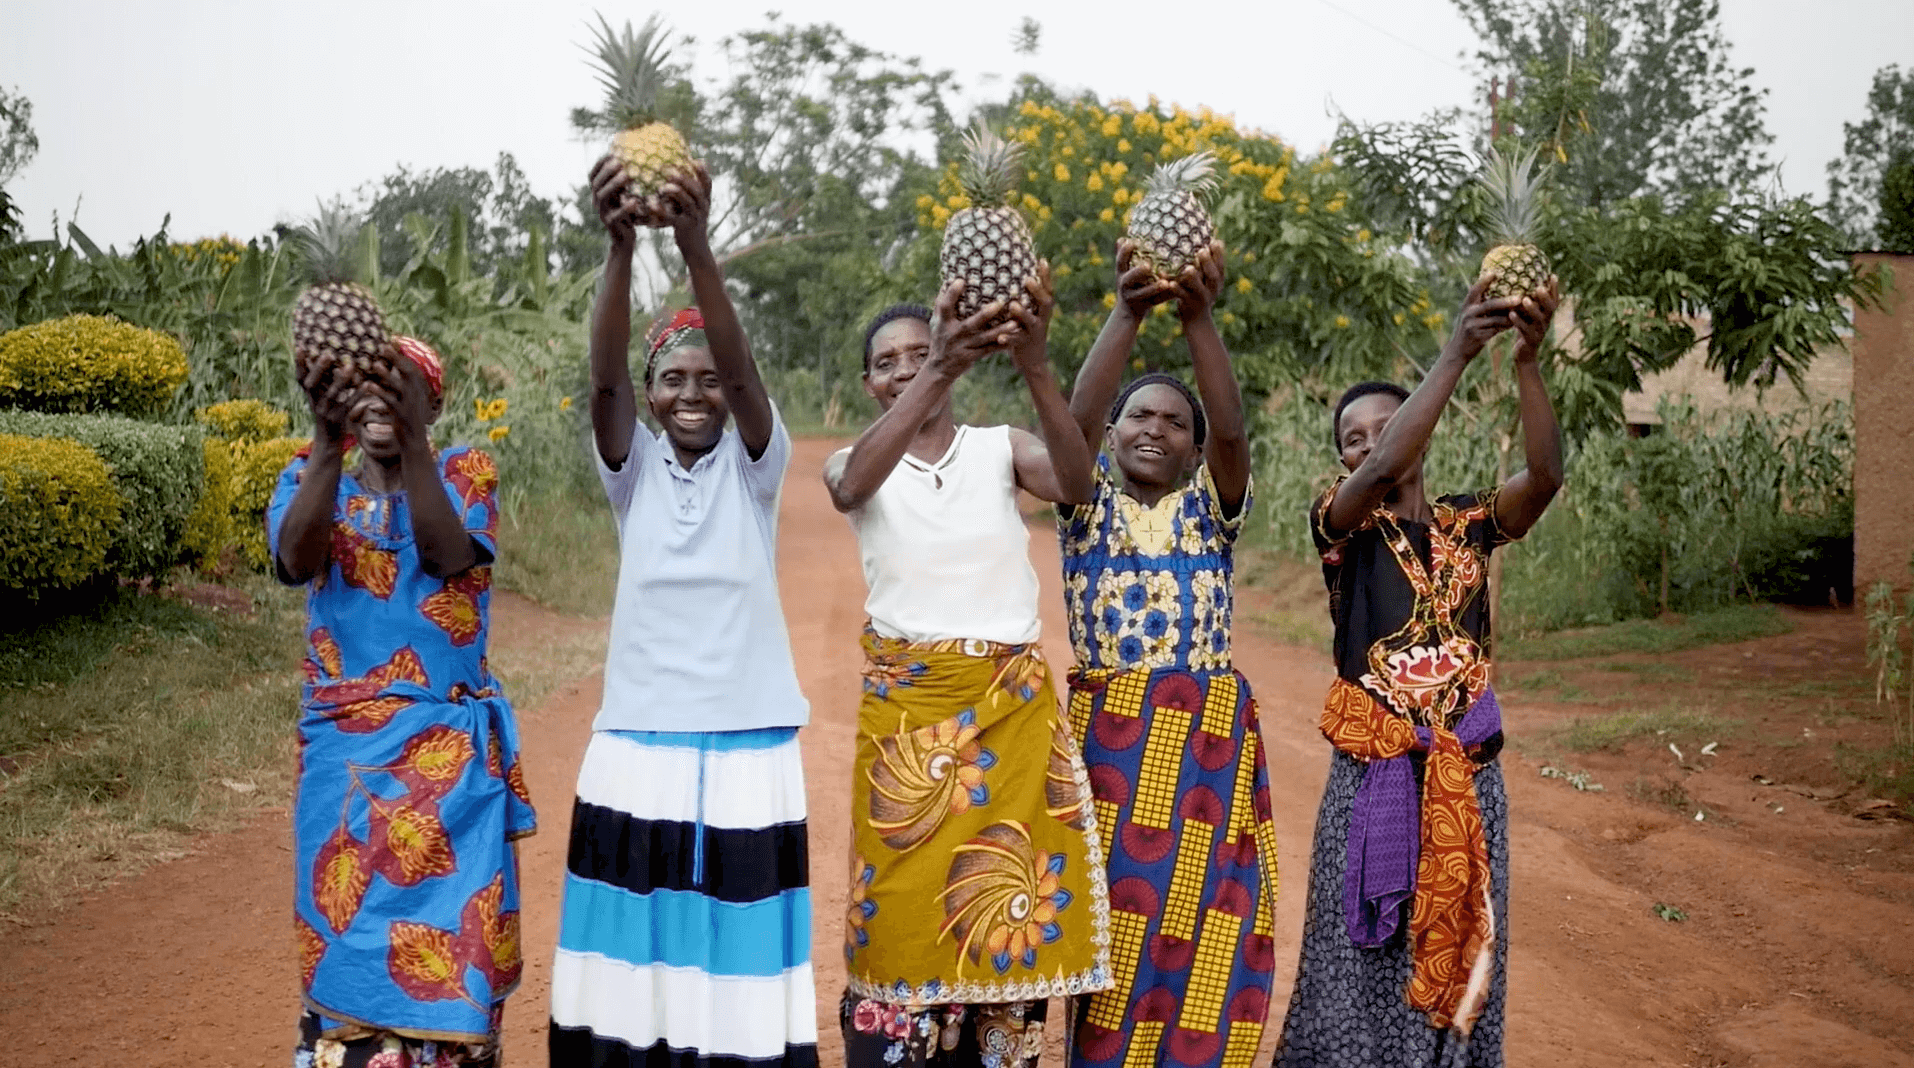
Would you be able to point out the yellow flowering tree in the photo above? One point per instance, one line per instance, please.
(1311, 288)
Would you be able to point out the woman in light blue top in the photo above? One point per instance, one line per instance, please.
(686, 931)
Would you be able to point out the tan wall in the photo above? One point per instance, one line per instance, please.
(1830, 376)
(1884, 430)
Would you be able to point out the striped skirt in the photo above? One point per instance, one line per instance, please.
(685, 937)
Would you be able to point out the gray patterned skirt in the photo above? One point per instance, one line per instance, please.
(1347, 1010)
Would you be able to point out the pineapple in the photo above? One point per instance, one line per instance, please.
(1512, 188)
(988, 244)
(631, 67)
(336, 318)
(1169, 226)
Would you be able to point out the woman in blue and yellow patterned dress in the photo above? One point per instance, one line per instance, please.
(1166, 723)
(410, 795)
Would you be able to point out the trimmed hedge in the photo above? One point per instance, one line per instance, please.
(209, 528)
(89, 363)
(244, 420)
(157, 470)
(58, 513)
(256, 467)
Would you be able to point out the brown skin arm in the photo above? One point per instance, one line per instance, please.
(446, 548)
(1101, 376)
(1400, 446)
(1057, 467)
(954, 347)
(686, 206)
(305, 532)
(1227, 447)
(1527, 494)
(614, 404)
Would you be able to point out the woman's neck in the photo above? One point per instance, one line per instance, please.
(933, 438)
(1408, 501)
(379, 476)
(1148, 494)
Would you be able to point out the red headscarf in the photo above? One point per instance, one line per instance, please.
(427, 359)
(685, 327)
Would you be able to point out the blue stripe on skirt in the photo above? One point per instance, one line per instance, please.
(686, 929)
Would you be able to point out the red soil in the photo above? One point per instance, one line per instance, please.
(1798, 948)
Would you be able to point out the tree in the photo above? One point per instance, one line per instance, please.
(1872, 148)
(1631, 97)
(499, 206)
(18, 145)
(1314, 291)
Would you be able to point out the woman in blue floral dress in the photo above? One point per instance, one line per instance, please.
(410, 793)
(1167, 725)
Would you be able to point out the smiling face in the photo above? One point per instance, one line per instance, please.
(372, 426)
(899, 350)
(1361, 427)
(1154, 439)
(687, 399)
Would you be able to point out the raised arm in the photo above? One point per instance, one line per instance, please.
(1394, 454)
(614, 406)
(1057, 467)
(445, 547)
(954, 347)
(687, 207)
(1527, 495)
(1227, 448)
(305, 533)
(1101, 376)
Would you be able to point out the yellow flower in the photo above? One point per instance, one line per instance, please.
(1094, 183)
(1250, 256)
(1228, 317)
(1147, 122)
(1302, 209)
(1273, 190)
(1068, 150)
(564, 404)
(1121, 196)
(1030, 201)
(1061, 172)
(1119, 168)
(1113, 126)
(1043, 212)
(1335, 204)
(1109, 300)
(1107, 215)
(1399, 318)
(497, 433)
(478, 409)
(1061, 270)
(924, 202)
(957, 201)
(1342, 322)
(1243, 285)
(1123, 144)
(499, 406)
(1362, 234)
(939, 215)
(1029, 108)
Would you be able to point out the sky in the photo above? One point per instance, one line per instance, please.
(231, 115)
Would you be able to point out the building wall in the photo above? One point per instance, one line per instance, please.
(1884, 430)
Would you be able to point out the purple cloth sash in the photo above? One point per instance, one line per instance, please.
(1385, 827)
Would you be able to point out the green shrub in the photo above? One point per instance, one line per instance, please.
(244, 420)
(156, 469)
(89, 363)
(209, 528)
(58, 513)
(255, 472)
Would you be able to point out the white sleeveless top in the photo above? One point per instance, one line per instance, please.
(945, 551)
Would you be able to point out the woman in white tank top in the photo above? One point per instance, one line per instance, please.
(977, 882)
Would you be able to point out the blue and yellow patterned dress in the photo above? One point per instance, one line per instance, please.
(1169, 734)
(410, 791)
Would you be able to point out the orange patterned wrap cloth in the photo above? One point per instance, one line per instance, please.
(1452, 920)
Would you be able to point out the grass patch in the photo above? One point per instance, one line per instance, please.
(1664, 791)
(1283, 597)
(1737, 624)
(560, 548)
(1886, 770)
(124, 738)
(1671, 724)
(1650, 670)
(1539, 682)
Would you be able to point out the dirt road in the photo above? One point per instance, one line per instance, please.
(1793, 954)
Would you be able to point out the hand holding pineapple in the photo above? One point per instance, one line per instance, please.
(957, 343)
(1032, 316)
(401, 388)
(1139, 287)
(683, 203)
(618, 210)
(1197, 288)
(332, 397)
(1532, 319)
(1481, 319)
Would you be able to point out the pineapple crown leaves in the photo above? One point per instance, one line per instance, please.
(990, 166)
(329, 243)
(631, 68)
(1194, 174)
(1512, 187)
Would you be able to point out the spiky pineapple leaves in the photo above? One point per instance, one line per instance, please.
(641, 82)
